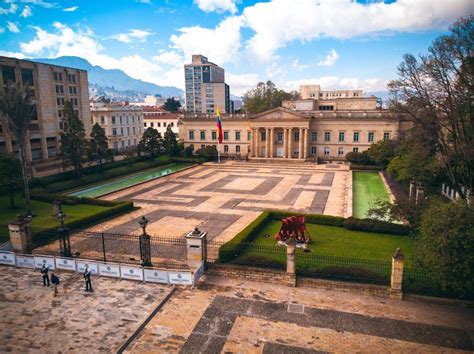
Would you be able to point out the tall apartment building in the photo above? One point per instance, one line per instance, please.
(160, 120)
(205, 87)
(123, 124)
(52, 86)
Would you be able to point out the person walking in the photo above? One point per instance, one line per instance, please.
(55, 281)
(44, 272)
(87, 278)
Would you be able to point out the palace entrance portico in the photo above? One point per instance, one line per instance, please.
(279, 134)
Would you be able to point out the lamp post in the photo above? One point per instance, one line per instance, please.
(145, 252)
(64, 242)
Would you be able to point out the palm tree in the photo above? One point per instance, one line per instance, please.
(18, 109)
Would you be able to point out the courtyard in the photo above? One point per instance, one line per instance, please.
(223, 198)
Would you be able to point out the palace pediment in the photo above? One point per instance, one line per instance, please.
(280, 114)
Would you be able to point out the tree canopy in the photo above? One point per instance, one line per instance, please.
(266, 96)
(172, 105)
(98, 145)
(10, 176)
(170, 144)
(151, 142)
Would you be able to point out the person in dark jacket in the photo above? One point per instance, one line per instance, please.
(87, 278)
(44, 273)
(55, 281)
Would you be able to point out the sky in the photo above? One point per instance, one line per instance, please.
(335, 43)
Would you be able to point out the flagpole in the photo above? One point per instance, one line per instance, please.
(218, 153)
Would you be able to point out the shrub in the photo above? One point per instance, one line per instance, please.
(371, 225)
(70, 200)
(310, 218)
(359, 158)
(188, 151)
(366, 167)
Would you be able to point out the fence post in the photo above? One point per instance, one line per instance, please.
(103, 247)
(396, 280)
(290, 261)
(20, 235)
(411, 193)
(196, 245)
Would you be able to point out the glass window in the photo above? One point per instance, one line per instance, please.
(8, 74)
(27, 76)
(340, 151)
(327, 136)
(355, 149)
(113, 119)
(264, 135)
(203, 135)
(226, 135)
(151, 124)
(371, 136)
(237, 148)
(296, 136)
(341, 136)
(191, 135)
(226, 148)
(313, 150)
(249, 136)
(102, 120)
(356, 136)
(327, 151)
(114, 131)
(214, 135)
(237, 136)
(386, 136)
(314, 136)
(280, 137)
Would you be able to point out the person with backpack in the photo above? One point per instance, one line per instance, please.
(87, 278)
(44, 273)
(55, 281)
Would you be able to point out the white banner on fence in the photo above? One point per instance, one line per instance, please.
(66, 263)
(180, 278)
(40, 260)
(82, 264)
(25, 260)
(198, 273)
(7, 258)
(156, 276)
(133, 273)
(109, 270)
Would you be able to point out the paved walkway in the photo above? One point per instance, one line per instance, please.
(228, 315)
(32, 320)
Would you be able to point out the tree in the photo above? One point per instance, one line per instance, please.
(208, 153)
(10, 176)
(445, 248)
(98, 145)
(172, 105)
(17, 109)
(151, 142)
(383, 151)
(436, 91)
(73, 138)
(170, 144)
(266, 96)
(361, 158)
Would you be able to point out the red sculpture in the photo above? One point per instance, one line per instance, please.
(293, 227)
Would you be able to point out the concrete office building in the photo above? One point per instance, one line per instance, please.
(52, 86)
(302, 129)
(123, 124)
(205, 87)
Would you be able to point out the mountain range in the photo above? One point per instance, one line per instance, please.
(114, 81)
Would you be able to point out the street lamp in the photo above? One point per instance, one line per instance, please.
(145, 251)
(64, 242)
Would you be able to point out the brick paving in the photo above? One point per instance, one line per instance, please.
(32, 320)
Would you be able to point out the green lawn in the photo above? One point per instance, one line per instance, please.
(367, 188)
(43, 213)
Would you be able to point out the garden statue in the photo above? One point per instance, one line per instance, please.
(293, 229)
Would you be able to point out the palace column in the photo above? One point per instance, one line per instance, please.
(305, 144)
(251, 143)
(285, 143)
(290, 130)
(300, 143)
(257, 142)
(272, 142)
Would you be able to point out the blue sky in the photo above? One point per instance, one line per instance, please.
(336, 43)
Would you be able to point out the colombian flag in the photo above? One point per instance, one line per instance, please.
(220, 136)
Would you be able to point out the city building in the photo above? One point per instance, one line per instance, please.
(303, 129)
(160, 120)
(123, 124)
(205, 87)
(314, 92)
(150, 100)
(52, 86)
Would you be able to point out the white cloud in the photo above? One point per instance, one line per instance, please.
(42, 3)
(2, 29)
(217, 5)
(11, 10)
(335, 83)
(279, 22)
(169, 57)
(13, 27)
(26, 12)
(12, 54)
(148, 2)
(330, 59)
(239, 84)
(70, 9)
(220, 45)
(132, 35)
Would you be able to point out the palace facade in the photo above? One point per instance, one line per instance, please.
(303, 129)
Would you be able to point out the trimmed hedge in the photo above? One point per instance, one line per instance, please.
(378, 226)
(366, 167)
(69, 199)
(310, 218)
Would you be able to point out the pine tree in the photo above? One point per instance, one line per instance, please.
(73, 138)
(170, 144)
(151, 142)
(98, 145)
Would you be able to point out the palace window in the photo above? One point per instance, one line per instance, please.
(237, 136)
(226, 148)
(214, 135)
(102, 120)
(314, 136)
(226, 135)
(355, 149)
(341, 136)
(280, 137)
(264, 135)
(237, 149)
(203, 135)
(327, 136)
(191, 135)
(249, 136)
(203, 147)
(151, 125)
(113, 119)
(386, 136)
(356, 137)
(371, 137)
(296, 136)
(327, 151)
(313, 150)
(340, 151)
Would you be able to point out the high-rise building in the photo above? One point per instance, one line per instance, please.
(206, 89)
(52, 85)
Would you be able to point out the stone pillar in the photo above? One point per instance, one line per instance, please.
(396, 280)
(290, 262)
(267, 142)
(20, 235)
(251, 143)
(290, 130)
(196, 247)
(257, 142)
(44, 147)
(305, 144)
(285, 143)
(300, 143)
(272, 142)
(420, 194)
